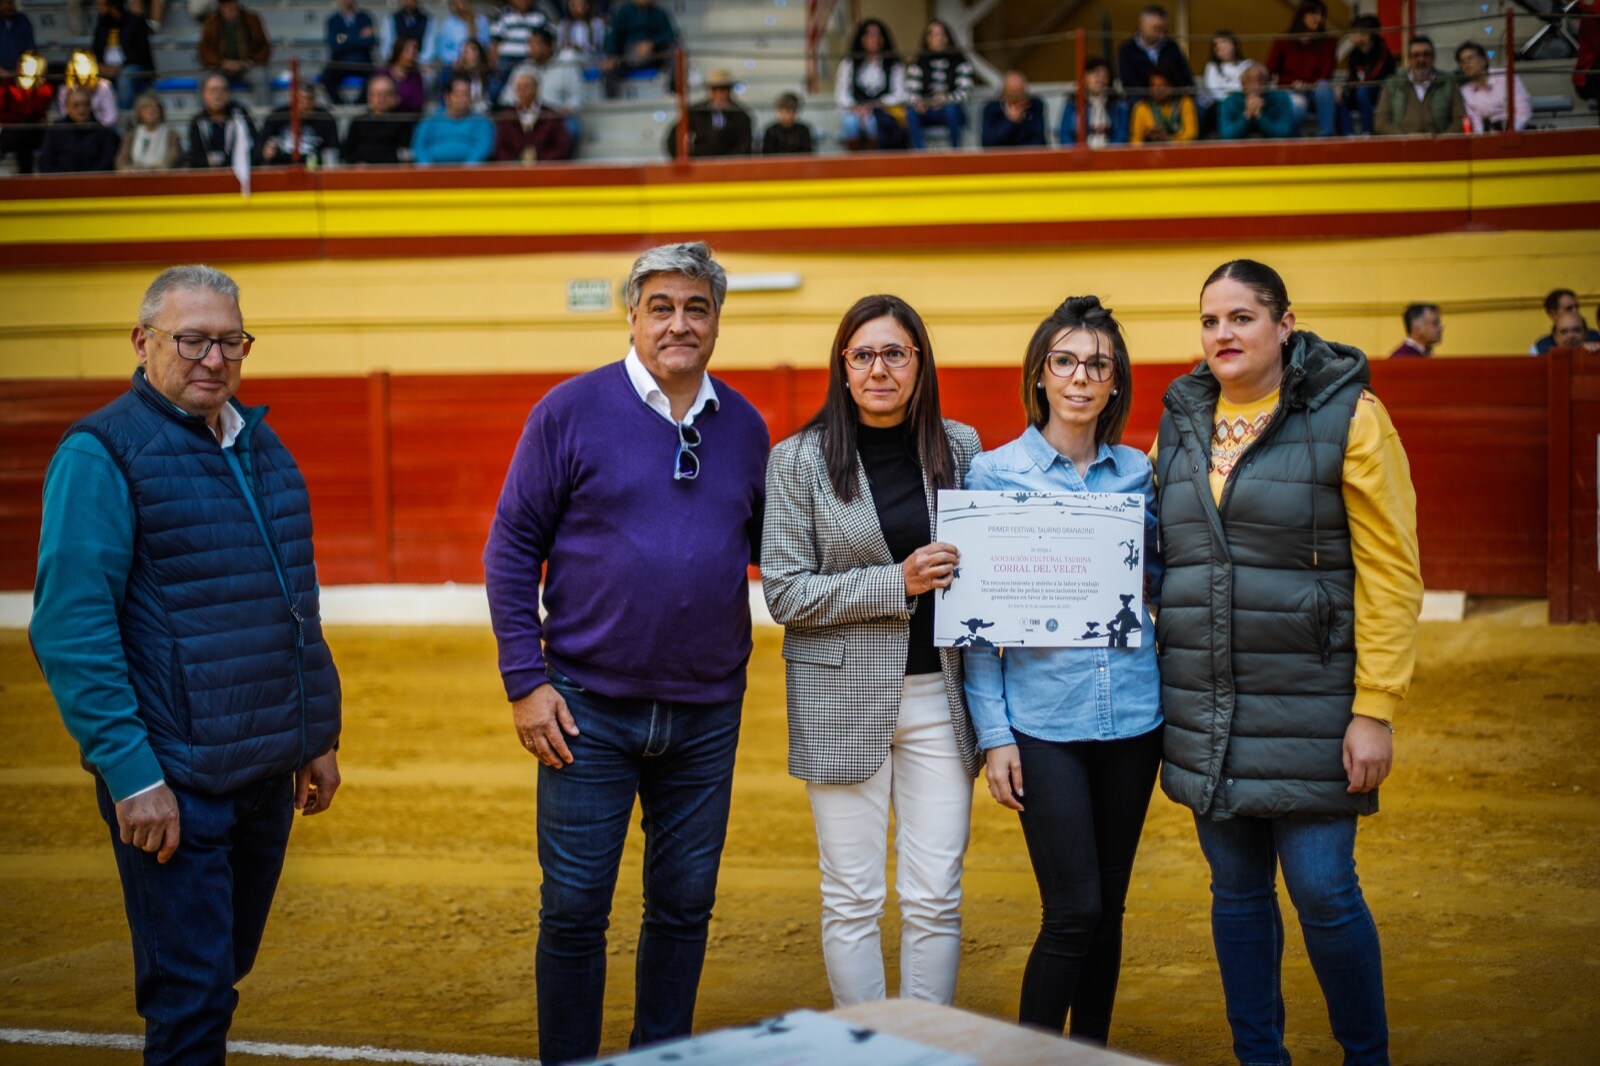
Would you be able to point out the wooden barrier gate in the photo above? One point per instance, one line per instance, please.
(1574, 511)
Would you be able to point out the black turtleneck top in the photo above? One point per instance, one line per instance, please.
(894, 472)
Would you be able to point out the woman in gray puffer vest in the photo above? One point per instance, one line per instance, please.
(1287, 638)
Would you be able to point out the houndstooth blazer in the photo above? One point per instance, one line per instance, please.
(830, 580)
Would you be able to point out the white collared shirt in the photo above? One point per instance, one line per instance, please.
(650, 392)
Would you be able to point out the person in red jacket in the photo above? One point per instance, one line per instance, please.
(1586, 70)
(1303, 61)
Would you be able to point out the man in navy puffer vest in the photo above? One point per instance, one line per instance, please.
(176, 619)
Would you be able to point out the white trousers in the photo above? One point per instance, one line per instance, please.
(923, 782)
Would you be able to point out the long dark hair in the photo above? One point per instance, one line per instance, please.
(838, 417)
(1259, 279)
(1297, 25)
(1080, 312)
(888, 55)
(950, 46)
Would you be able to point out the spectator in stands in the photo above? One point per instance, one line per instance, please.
(446, 35)
(1221, 77)
(788, 135)
(938, 86)
(214, 133)
(150, 144)
(1586, 68)
(1560, 302)
(1424, 329)
(1017, 118)
(641, 37)
(351, 36)
(1148, 48)
(718, 125)
(405, 71)
(509, 34)
(82, 74)
(1303, 62)
(233, 41)
(16, 37)
(1105, 113)
(530, 132)
(1257, 110)
(456, 134)
(1483, 92)
(78, 143)
(473, 64)
(319, 133)
(560, 78)
(582, 35)
(406, 22)
(381, 136)
(1165, 116)
(24, 109)
(871, 81)
(1570, 331)
(1419, 99)
(1369, 65)
(122, 49)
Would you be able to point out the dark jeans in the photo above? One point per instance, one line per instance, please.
(1085, 803)
(678, 759)
(197, 919)
(1360, 101)
(1317, 855)
(951, 116)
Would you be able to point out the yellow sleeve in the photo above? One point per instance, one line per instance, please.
(1140, 123)
(1381, 506)
(1189, 130)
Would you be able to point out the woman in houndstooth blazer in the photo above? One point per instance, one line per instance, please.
(877, 714)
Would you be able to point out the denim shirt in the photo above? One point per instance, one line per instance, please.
(1067, 694)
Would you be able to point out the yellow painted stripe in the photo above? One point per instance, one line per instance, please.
(1062, 197)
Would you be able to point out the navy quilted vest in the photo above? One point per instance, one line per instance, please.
(234, 680)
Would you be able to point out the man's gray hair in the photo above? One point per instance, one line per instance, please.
(201, 277)
(692, 260)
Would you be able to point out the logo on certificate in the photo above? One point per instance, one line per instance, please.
(1051, 625)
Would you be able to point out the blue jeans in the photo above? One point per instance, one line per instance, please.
(1361, 99)
(678, 759)
(1331, 118)
(1317, 855)
(197, 920)
(950, 116)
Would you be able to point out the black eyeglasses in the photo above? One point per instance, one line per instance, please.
(894, 356)
(1065, 364)
(686, 464)
(195, 347)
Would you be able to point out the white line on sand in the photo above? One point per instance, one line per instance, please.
(120, 1041)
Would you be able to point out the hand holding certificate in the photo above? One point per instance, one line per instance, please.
(1042, 569)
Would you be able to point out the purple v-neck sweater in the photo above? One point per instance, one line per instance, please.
(645, 594)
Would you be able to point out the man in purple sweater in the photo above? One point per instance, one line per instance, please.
(641, 486)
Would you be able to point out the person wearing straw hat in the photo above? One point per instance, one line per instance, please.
(718, 125)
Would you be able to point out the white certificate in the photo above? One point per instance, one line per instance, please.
(1042, 569)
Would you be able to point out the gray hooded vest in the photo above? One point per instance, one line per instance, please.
(1256, 630)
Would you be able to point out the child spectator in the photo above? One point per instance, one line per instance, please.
(1105, 113)
(938, 85)
(1483, 92)
(1370, 64)
(871, 81)
(1256, 110)
(1165, 116)
(788, 135)
(1303, 62)
(1017, 118)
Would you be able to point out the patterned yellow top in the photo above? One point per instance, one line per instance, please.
(1381, 507)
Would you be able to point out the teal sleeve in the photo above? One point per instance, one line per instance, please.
(85, 556)
(984, 668)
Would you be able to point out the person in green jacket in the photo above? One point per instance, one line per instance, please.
(1419, 99)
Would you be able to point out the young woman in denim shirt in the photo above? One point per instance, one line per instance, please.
(1073, 735)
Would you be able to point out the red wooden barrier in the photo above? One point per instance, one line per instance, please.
(404, 470)
(1574, 502)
